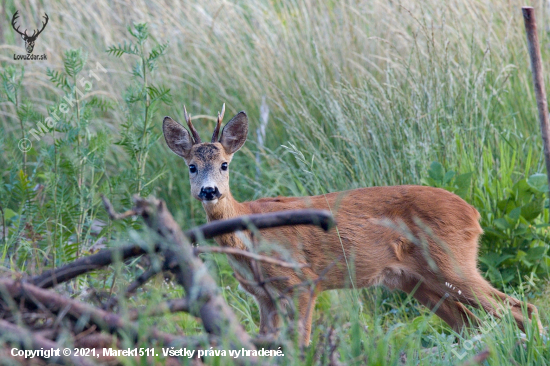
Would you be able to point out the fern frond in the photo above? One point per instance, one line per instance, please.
(11, 82)
(26, 112)
(58, 79)
(121, 49)
(155, 53)
(134, 94)
(74, 61)
(103, 104)
(161, 93)
(137, 70)
(140, 32)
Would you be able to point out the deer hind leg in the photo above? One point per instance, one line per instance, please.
(478, 292)
(515, 307)
(452, 312)
(517, 312)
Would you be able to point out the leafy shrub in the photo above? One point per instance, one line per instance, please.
(515, 244)
(49, 195)
(449, 180)
(514, 247)
(142, 100)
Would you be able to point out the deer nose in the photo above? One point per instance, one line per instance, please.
(209, 193)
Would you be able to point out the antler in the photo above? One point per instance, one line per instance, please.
(194, 132)
(43, 26)
(13, 20)
(218, 125)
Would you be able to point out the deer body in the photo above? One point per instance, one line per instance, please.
(377, 250)
(421, 240)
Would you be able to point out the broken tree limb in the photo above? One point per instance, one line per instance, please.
(245, 253)
(96, 340)
(170, 306)
(137, 283)
(25, 339)
(109, 322)
(87, 264)
(106, 257)
(202, 291)
(538, 81)
(321, 218)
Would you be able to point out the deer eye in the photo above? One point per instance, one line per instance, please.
(224, 166)
(192, 168)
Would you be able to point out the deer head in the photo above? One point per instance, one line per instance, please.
(208, 162)
(29, 40)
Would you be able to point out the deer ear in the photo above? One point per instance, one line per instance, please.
(234, 133)
(177, 137)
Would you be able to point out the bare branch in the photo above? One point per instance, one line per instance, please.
(170, 306)
(205, 300)
(313, 283)
(87, 264)
(245, 253)
(109, 322)
(27, 340)
(107, 256)
(259, 282)
(137, 283)
(319, 218)
(479, 358)
(95, 340)
(112, 213)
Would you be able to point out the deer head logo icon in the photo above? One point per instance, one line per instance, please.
(29, 40)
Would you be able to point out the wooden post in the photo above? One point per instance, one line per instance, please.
(538, 81)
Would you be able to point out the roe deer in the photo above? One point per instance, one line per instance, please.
(434, 258)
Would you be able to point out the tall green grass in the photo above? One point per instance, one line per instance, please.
(360, 93)
(374, 90)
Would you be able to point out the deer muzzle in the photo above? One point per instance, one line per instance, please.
(209, 193)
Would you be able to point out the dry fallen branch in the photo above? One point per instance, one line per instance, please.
(137, 283)
(244, 253)
(26, 340)
(202, 291)
(87, 264)
(112, 323)
(319, 218)
(203, 298)
(95, 340)
(170, 306)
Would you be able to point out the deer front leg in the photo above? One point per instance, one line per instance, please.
(306, 304)
(269, 317)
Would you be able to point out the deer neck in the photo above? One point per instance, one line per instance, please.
(226, 208)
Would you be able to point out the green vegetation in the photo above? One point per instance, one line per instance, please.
(358, 94)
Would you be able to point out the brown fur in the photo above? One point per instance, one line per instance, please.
(421, 240)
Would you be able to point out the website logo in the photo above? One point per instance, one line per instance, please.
(29, 39)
